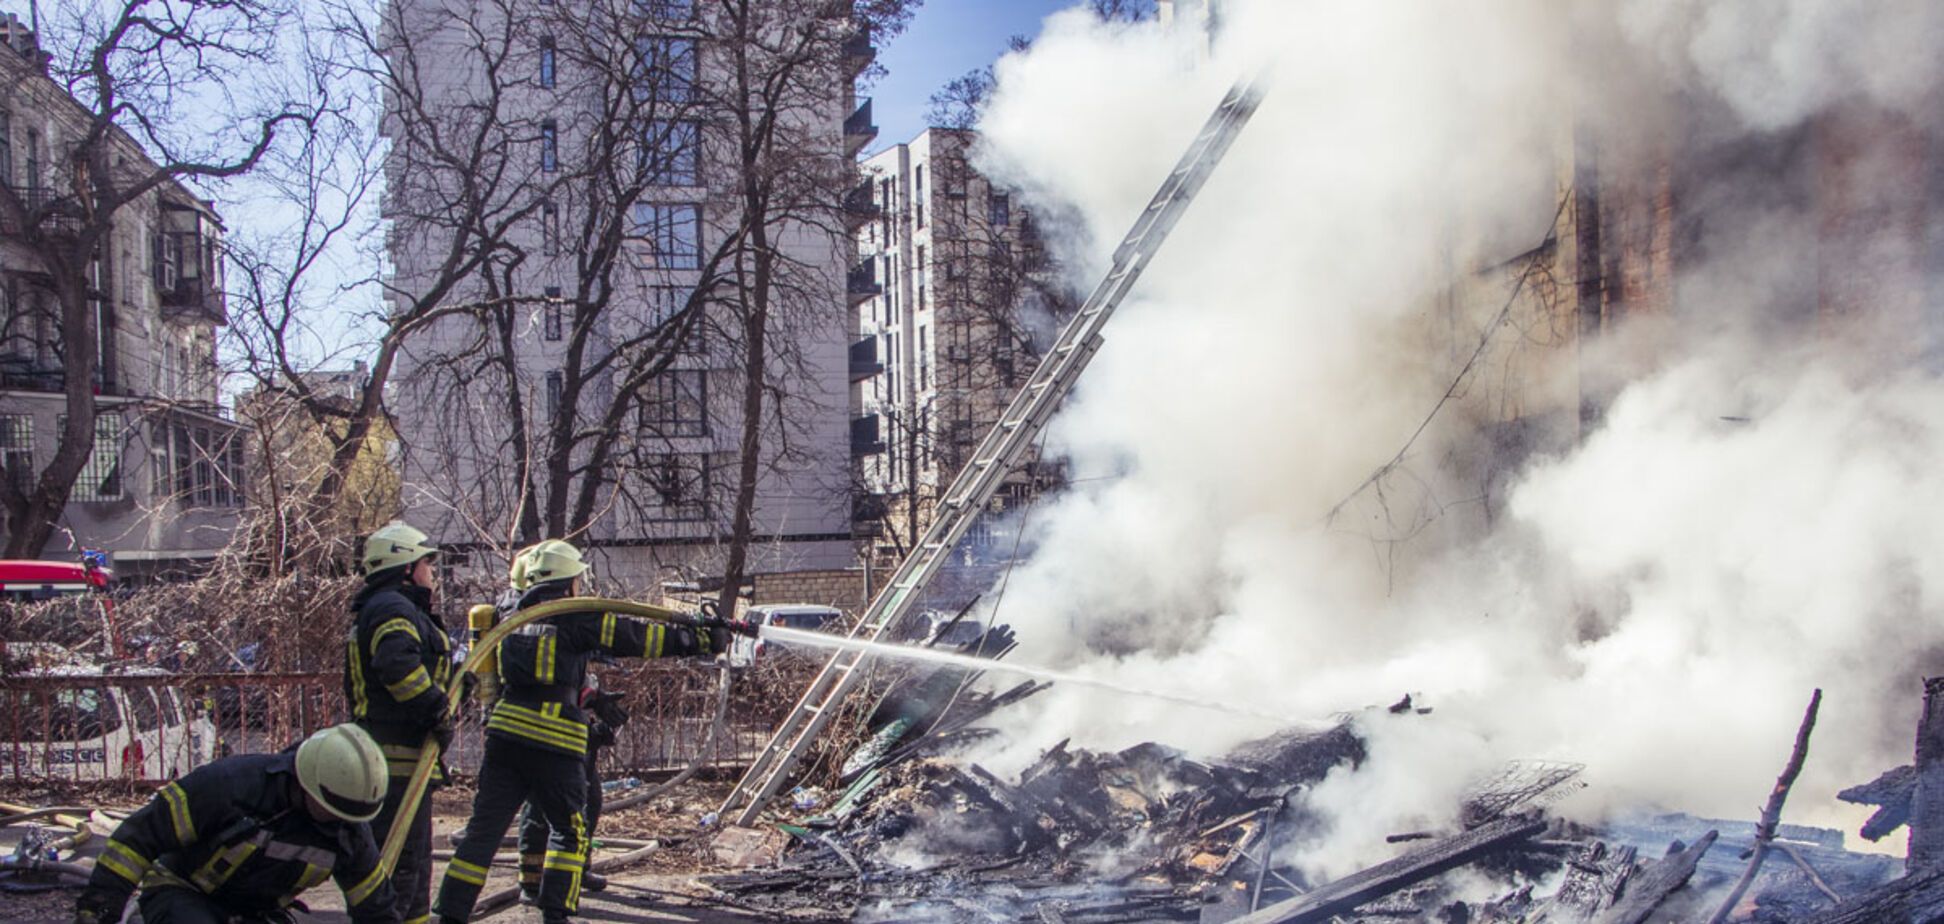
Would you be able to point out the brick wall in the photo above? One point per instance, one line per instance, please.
(843, 589)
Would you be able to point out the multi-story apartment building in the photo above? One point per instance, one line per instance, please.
(599, 388)
(164, 482)
(954, 297)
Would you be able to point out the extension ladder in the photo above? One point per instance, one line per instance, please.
(996, 456)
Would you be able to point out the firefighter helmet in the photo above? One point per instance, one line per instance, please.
(395, 544)
(342, 768)
(554, 560)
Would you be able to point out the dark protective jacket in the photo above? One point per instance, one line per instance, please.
(543, 666)
(397, 663)
(237, 831)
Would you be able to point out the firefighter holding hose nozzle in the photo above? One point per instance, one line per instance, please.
(537, 734)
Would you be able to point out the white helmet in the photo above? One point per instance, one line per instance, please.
(553, 560)
(342, 768)
(395, 544)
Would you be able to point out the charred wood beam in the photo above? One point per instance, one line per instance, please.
(1892, 793)
(1916, 897)
(1378, 881)
(1648, 888)
(1927, 803)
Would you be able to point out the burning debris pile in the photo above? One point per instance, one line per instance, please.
(1149, 834)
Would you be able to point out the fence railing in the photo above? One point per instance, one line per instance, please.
(153, 727)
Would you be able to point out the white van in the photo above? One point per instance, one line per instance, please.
(806, 616)
(77, 722)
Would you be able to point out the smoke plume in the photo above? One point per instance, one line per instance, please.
(1750, 515)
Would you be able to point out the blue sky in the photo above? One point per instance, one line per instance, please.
(946, 39)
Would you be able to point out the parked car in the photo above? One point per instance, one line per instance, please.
(87, 723)
(806, 616)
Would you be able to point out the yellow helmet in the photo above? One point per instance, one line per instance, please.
(395, 544)
(342, 768)
(553, 560)
(516, 576)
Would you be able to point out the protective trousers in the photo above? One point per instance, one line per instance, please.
(533, 828)
(188, 906)
(412, 876)
(509, 775)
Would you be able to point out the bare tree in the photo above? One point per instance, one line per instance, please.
(153, 95)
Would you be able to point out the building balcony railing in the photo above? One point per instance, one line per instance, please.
(22, 373)
(189, 298)
(866, 438)
(864, 361)
(859, 52)
(859, 129)
(862, 282)
(861, 206)
(48, 211)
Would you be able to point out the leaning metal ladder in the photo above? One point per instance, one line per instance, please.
(996, 456)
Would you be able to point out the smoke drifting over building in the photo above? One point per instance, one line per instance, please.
(1572, 365)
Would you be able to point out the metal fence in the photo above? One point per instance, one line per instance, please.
(156, 726)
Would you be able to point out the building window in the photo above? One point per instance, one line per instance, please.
(918, 194)
(550, 314)
(32, 180)
(671, 152)
(556, 386)
(6, 147)
(666, 10)
(101, 477)
(999, 210)
(547, 62)
(17, 450)
(920, 274)
(673, 233)
(676, 403)
(549, 146)
(666, 70)
(679, 485)
(549, 228)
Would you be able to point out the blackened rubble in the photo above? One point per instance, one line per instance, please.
(1148, 834)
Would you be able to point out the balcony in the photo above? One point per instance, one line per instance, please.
(861, 206)
(866, 439)
(189, 300)
(864, 361)
(859, 52)
(862, 282)
(50, 213)
(20, 372)
(858, 130)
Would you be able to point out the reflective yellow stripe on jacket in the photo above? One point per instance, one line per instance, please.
(536, 726)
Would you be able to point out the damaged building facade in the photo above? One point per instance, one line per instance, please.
(162, 487)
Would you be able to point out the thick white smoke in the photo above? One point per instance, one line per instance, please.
(1748, 523)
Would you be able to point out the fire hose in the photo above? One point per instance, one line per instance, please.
(483, 653)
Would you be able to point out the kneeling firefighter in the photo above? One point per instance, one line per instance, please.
(396, 666)
(240, 838)
(537, 735)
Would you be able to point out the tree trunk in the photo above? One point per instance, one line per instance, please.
(755, 332)
(31, 523)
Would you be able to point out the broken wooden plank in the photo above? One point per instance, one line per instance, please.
(1594, 880)
(1649, 887)
(1391, 875)
(1772, 812)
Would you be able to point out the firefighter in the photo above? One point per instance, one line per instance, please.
(537, 735)
(242, 837)
(605, 718)
(396, 666)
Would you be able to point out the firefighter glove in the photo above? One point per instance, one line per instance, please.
(98, 907)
